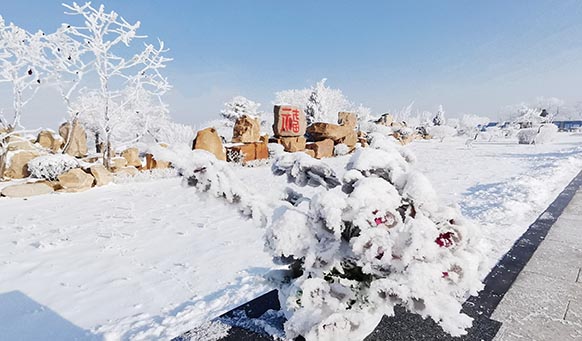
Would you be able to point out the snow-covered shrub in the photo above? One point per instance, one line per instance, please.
(539, 135)
(341, 149)
(235, 156)
(439, 118)
(201, 170)
(470, 125)
(49, 167)
(442, 132)
(379, 240)
(527, 135)
(275, 150)
(547, 133)
(239, 106)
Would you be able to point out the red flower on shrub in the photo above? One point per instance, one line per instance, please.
(445, 239)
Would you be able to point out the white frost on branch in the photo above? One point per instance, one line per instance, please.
(127, 86)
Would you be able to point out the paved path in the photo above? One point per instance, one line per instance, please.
(545, 302)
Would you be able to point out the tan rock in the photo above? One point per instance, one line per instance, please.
(385, 120)
(321, 131)
(77, 145)
(264, 138)
(289, 121)
(91, 159)
(152, 163)
(18, 167)
(16, 143)
(76, 180)
(26, 190)
(247, 152)
(403, 139)
(347, 119)
(262, 150)
(398, 125)
(117, 163)
(241, 153)
(55, 185)
(132, 157)
(322, 149)
(49, 141)
(246, 130)
(309, 152)
(293, 144)
(350, 139)
(129, 170)
(101, 174)
(209, 140)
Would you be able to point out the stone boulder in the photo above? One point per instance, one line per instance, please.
(49, 141)
(101, 174)
(129, 170)
(76, 180)
(309, 152)
(292, 144)
(347, 119)
(77, 145)
(241, 153)
(322, 131)
(350, 139)
(322, 149)
(16, 143)
(26, 190)
(248, 152)
(262, 150)
(289, 121)
(18, 167)
(152, 163)
(117, 163)
(132, 157)
(385, 120)
(246, 130)
(209, 140)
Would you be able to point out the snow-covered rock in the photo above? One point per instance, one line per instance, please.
(26, 190)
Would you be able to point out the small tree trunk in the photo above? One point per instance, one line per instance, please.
(97, 143)
(107, 153)
(3, 164)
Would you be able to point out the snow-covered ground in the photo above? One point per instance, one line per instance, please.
(149, 260)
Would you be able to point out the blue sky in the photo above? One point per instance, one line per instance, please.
(470, 56)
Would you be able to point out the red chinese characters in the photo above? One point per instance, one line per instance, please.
(290, 120)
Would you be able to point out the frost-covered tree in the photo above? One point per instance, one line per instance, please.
(320, 102)
(239, 106)
(22, 66)
(67, 67)
(378, 238)
(122, 81)
(314, 110)
(471, 124)
(439, 117)
(169, 132)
